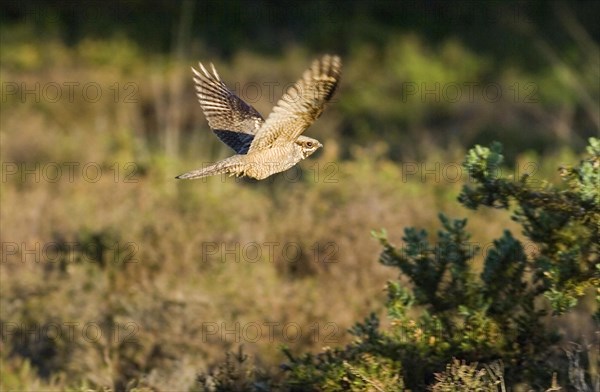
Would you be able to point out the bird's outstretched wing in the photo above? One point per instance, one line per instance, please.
(232, 120)
(301, 105)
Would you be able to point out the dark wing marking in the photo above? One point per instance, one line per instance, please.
(233, 120)
(240, 142)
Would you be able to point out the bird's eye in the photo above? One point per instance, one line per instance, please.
(309, 144)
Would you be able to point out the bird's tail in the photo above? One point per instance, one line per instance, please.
(232, 165)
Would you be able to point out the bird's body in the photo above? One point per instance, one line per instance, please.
(265, 147)
(258, 164)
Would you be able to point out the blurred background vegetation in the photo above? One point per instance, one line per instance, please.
(422, 82)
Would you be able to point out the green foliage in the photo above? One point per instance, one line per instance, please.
(563, 224)
(448, 311)
(235, 374)
(459, 377)
(335, 371)
(493, 316)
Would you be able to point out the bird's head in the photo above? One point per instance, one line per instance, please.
(308, 145)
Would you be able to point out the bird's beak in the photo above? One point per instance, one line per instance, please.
(320, 145)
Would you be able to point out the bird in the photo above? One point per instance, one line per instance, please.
(265, 147)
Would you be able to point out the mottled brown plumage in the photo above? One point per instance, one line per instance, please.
(265, 147)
